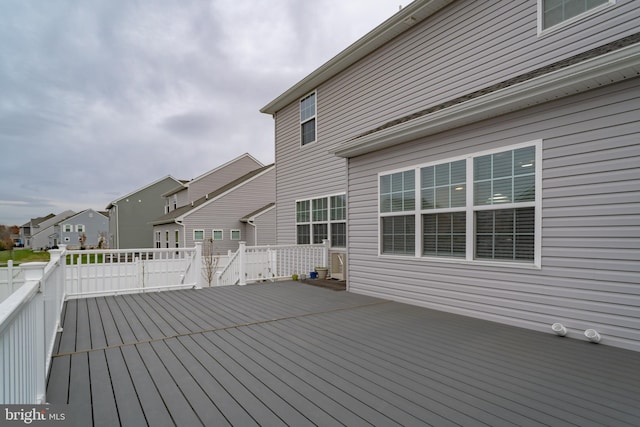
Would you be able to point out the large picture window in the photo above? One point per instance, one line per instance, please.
(322, 218)
(308, 119)
(480, 207)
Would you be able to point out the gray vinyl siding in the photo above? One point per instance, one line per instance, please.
(265, 228)
(219, 177)
(94, 223)
(590, 272)
(226, 211)
(464, 47)
(303, 172)
(135, 213)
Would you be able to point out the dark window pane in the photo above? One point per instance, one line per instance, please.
(339, 235)
(309, 131)
(484, 222)
(502, 164)
(428, 199)
(442, 174)
(444, 223)
(502, 191)
(524, 247)
(482, 168)
(319, 233)
(442, 197)
(524, 161)
(303, 235)
(444, 245)
(504, 221)
(524, 188)
(458, 172)
(427, 177)
(458, 195)
(482, 193)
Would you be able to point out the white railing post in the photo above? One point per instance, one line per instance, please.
(34, 271)
(198, 265)
(56, 257)
(242, 259)
(325, 253)
(10, 276)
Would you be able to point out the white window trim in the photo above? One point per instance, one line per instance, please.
(571, 21)
(315, 116)
(213, 234)
(79, 226)
(231, 234)
(417, 212)
(64, 228)
(329, 221)
(194, 235)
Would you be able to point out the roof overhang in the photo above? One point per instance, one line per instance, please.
(599, 71)
(408, 16)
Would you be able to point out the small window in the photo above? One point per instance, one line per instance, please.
(166, 235)
(177, 238)
(554, 12)
(235, 234)
(198, 234)
(303, 232)
(157, 239)
(80, 228)
(398, 235)
(68, 228)
(308, 119)
(67, 239)
(218, 235)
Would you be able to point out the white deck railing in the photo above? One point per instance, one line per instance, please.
(29, 321)
(108, 272)
(258, 263)
(11, 278)
(30, 316)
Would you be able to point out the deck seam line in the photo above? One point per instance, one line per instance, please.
(222, 328)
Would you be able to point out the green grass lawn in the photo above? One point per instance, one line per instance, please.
(22, 255)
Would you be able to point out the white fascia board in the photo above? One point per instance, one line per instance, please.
(603, 70)
(208, 202)
(400, 22)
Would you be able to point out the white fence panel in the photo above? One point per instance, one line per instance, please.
(11, 278)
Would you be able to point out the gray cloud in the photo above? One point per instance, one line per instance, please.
(103, 97)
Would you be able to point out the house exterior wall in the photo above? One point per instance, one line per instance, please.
(95, 225)
(129, 225)
(265, 229)
(225, 211)
(44, 234)
(590, 251)
(220, 176)
(171, 229)
(466, 46)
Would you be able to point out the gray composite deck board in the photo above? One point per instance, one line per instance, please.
(292, 354)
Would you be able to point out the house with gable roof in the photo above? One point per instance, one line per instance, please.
(487, 154)
(93, 225)
(130, 215)
(232, 211)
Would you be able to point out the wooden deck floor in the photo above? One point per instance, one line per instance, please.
(292, 354)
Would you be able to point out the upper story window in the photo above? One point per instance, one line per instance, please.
(554, 12)
(68, 228)
(80, 228)
(308, 119)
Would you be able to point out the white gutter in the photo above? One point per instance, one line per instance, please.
(600, 71)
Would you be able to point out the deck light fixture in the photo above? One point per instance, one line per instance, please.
(592, 335)
(559, 329)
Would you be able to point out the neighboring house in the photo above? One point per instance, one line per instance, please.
(193, 190)
(25, 229)
(489, 152)
(93, 225)
(130, 215)
(222, 214)
(45, 235)
(261, 228)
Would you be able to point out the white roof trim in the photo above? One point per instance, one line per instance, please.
(408, 16)
(208, 202)
(602, 70)
(115, 202)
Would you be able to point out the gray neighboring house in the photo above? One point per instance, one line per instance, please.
(25, 229)
(235, 211)
(94, 225)
(130, 215)
(45, 234)
(489, 156)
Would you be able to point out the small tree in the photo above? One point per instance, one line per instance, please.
(210, 261)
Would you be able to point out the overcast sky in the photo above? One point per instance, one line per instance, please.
(101, 97)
